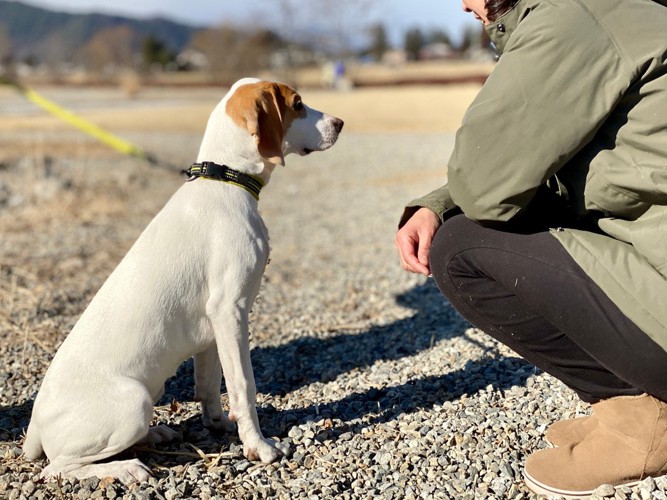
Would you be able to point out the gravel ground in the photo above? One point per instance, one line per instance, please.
(380, 388)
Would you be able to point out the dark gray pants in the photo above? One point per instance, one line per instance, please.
(525, 290)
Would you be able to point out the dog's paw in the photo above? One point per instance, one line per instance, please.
(132, 472)
(221, 423)
(266, 451)
(160, 434)
(125, 471)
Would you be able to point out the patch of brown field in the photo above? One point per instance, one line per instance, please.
(386, 74)
(435, 108)
(34, 133)
(428, 108)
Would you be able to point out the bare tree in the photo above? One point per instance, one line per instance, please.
(414, 43)
(332, 26)
(111, 47)
(345, 19)
(232, 53)
(379, 42)
(5, 44)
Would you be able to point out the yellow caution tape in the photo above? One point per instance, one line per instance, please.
(91, 129)
(115, 142)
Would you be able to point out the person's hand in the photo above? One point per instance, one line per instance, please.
(413, 241)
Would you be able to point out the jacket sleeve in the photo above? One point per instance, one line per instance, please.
(439, 201)
(556, 82)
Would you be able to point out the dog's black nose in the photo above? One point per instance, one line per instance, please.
(338, 124)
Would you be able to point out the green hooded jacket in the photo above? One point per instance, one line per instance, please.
(579, 93)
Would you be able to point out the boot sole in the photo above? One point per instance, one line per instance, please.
(543, 489)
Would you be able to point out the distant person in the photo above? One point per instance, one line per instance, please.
(333, 74)
(339, 71)
(551, 232)
(329, 74)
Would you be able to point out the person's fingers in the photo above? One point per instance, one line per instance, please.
(407, 247)
(413, 241)
(402, 251)
(425, 240)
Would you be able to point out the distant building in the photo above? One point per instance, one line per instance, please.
(437, 50)
(395, 57)
(192, 60)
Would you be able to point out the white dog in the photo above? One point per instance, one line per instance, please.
(184, 289)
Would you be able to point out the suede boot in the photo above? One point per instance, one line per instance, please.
(628, 444)
(570, 430)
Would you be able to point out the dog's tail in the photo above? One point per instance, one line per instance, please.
(32, 446)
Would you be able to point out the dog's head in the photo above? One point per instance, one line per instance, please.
(279, 121)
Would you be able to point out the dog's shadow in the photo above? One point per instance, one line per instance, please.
(322, 360)
(315, 360)
(14, 420)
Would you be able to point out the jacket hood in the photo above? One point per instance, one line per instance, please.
(502, 28)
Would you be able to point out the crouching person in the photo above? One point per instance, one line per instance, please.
(551, 232)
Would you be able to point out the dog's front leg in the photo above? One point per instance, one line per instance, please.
(231, 334)
(208, 376)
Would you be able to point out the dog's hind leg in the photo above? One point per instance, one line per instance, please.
(32, 446)
(208, 376)
(104, 424)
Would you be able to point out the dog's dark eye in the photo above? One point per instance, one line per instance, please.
(298, 105)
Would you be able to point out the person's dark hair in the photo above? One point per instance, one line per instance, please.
(496, 8)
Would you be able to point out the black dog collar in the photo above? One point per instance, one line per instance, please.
(210, 170)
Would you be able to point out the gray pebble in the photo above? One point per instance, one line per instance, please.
(605, 490)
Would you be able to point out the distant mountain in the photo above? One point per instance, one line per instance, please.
(48, 36)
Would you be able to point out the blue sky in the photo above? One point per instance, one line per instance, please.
(396, 15)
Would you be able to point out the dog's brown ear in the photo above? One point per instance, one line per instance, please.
(257, 108)
(270, 108)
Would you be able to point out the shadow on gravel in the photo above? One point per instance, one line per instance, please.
(380, 406)
(323, 359)
(13, 420)
(347, 352)
(365, 409)
(313, 359)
